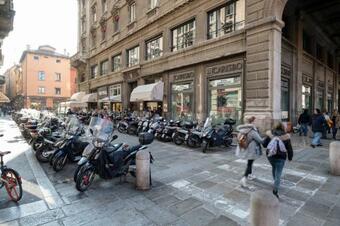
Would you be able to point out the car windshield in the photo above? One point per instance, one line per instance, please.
(73, 125)
(102, 128)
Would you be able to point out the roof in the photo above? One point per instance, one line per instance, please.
(43, 52)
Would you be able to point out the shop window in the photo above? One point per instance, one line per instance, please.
(306, 97)
(285, 99)
(132, 12)
(94, 71)
(133, 56)
(330, 60)
(182, 99)
(57, 91)
(115, 90)
(319, 99)
(41, 76)
(154, 48)
(104, 67)
(307, 43)
(116, 62)
(224, 99)
(330, 102)
(222, 20)
(184, 35)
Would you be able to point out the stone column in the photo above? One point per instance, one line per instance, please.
(299, 62)
(263, 73)
(125, 95)
(200, 102)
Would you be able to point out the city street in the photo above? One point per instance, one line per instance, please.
(189, 188)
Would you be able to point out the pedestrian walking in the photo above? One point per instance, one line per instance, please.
(318, 127)
(279, 147)
(327, 126)
(336, 123)
(304, 120)
(249, 147)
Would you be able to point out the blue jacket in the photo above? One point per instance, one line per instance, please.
(318, 123)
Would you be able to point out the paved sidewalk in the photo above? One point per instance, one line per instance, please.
(189, 188)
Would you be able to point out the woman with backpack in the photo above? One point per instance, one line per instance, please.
(249, 147)
(279, 148)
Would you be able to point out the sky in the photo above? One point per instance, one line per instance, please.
(41, 22)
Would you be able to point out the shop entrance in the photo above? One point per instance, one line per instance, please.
(285, 99)
(182, 101)
(306, 98)
(224, 99)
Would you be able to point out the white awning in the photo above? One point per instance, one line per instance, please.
(77, 96)
(89, 98)
(111, 99)
(151, 92)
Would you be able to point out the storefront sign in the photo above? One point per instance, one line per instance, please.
(224, 69)
(102, 92)
(184, 76)
(307, 79)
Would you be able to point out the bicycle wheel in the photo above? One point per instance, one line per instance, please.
(12, 184)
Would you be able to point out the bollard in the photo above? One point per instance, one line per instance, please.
(334, 158)
(143, 170)
(264, 209)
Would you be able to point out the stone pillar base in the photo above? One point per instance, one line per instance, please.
(264, 120)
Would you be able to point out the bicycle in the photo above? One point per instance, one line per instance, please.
(10, 179)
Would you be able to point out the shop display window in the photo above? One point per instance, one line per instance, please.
(182, 101)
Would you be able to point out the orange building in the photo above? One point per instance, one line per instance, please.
(48, 78)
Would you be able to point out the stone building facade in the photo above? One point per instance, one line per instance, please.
(221, 58)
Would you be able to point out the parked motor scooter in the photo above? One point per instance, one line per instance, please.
(106, 160)
(220, 135)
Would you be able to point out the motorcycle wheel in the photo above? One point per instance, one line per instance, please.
(59, 163)
(132, 130)
(36, 145)
(193, 143)
(205, 147)
(121, 129)
(84, 179)
(177, 140)
(76, 172)
(41, 155)
(231, 141)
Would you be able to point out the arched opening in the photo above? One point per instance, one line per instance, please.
(310, 56)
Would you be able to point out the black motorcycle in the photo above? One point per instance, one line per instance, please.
(128, 125)
(182, 134)
(105, 159)
(71, 146)
(218, 135)
(169, 131)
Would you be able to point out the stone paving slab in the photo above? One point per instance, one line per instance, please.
(190, 188)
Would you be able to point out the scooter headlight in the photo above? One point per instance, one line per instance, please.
(98, 144)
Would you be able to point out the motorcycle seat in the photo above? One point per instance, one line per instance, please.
(112, 148)
(133, 148)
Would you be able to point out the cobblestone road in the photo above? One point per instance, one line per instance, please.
(189, 188)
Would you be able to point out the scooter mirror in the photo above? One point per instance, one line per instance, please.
(114, 137)
(91, 131)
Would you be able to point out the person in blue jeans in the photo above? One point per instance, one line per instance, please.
(318, 125)
(283, 151)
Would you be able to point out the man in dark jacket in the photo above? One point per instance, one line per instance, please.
(318, 123)
(304, 121)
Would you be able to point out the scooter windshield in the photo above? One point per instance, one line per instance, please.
(102, 128)
(73, 125)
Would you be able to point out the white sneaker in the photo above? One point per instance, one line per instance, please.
(251, 177)
(243, 182)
